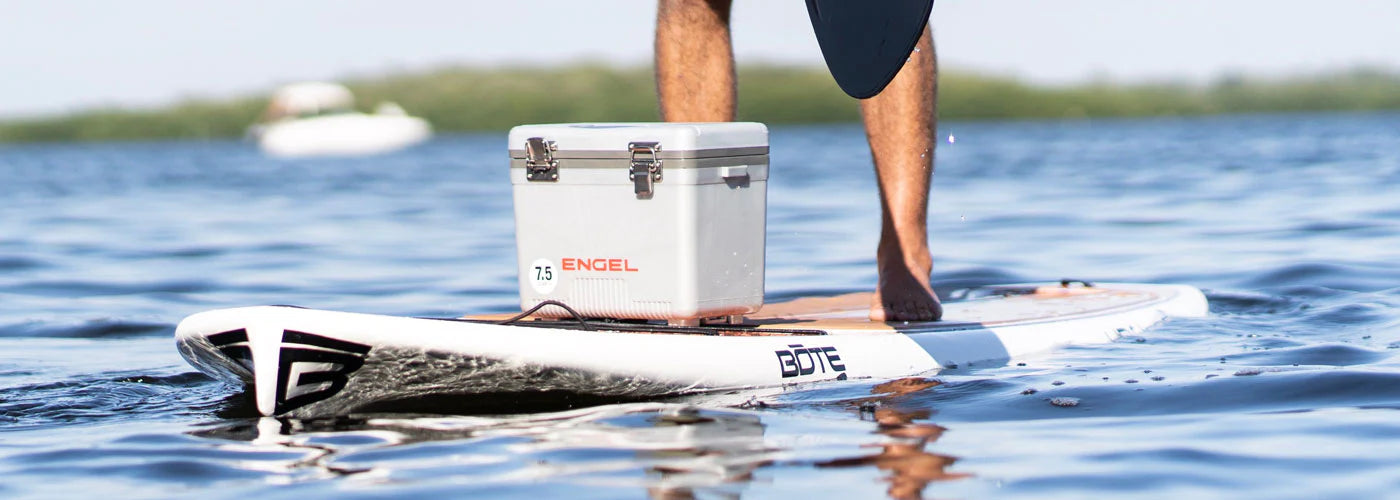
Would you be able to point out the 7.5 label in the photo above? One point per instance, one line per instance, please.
(543, 276)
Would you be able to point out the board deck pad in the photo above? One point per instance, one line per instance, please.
(850, 312)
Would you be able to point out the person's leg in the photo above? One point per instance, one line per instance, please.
(694, 61)
(900, 124)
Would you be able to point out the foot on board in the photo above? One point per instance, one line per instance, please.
(904, 295)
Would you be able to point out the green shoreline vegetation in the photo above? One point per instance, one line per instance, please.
(494, 99)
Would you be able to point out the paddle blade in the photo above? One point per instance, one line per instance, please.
(866, 43)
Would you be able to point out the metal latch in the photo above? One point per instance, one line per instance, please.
(646, 167)
(540, 164)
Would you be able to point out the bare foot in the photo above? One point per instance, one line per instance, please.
(904, 293)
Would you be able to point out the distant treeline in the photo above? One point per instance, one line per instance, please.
(476, 99)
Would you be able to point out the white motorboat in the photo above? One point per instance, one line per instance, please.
(319, 119)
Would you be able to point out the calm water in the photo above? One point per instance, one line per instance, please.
(1289, 390)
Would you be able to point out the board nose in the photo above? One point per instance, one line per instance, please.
(266, 345)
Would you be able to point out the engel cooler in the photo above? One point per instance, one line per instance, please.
(641, 220)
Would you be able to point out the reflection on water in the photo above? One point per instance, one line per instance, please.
(906, 459)
(910, 465)
(709, 451)
(670, 451)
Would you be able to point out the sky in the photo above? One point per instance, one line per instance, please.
(65, 55)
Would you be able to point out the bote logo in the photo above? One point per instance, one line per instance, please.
(800, 360)
(313, 368)
(608, 265)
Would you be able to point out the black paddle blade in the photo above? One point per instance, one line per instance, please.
(865, 43)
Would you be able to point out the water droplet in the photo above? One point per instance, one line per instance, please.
(952, 139)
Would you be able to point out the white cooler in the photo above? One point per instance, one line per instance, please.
(660, 221)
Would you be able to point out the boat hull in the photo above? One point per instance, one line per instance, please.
(348, 134)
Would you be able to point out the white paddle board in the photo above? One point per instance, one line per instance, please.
(305, 362)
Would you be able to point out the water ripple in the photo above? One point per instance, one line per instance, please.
(105, 328)
(76, 288)
(1338, 276)
(1328, 354)
(14, 263)
(81, 400)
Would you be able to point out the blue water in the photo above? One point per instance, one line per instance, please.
(1290, 389)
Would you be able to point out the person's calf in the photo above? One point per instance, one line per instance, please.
(695, 78)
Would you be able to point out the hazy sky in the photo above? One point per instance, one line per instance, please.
(60, 55)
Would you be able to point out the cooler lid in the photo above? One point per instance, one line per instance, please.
(675, 140)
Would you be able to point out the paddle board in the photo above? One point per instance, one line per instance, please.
(304, 362)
